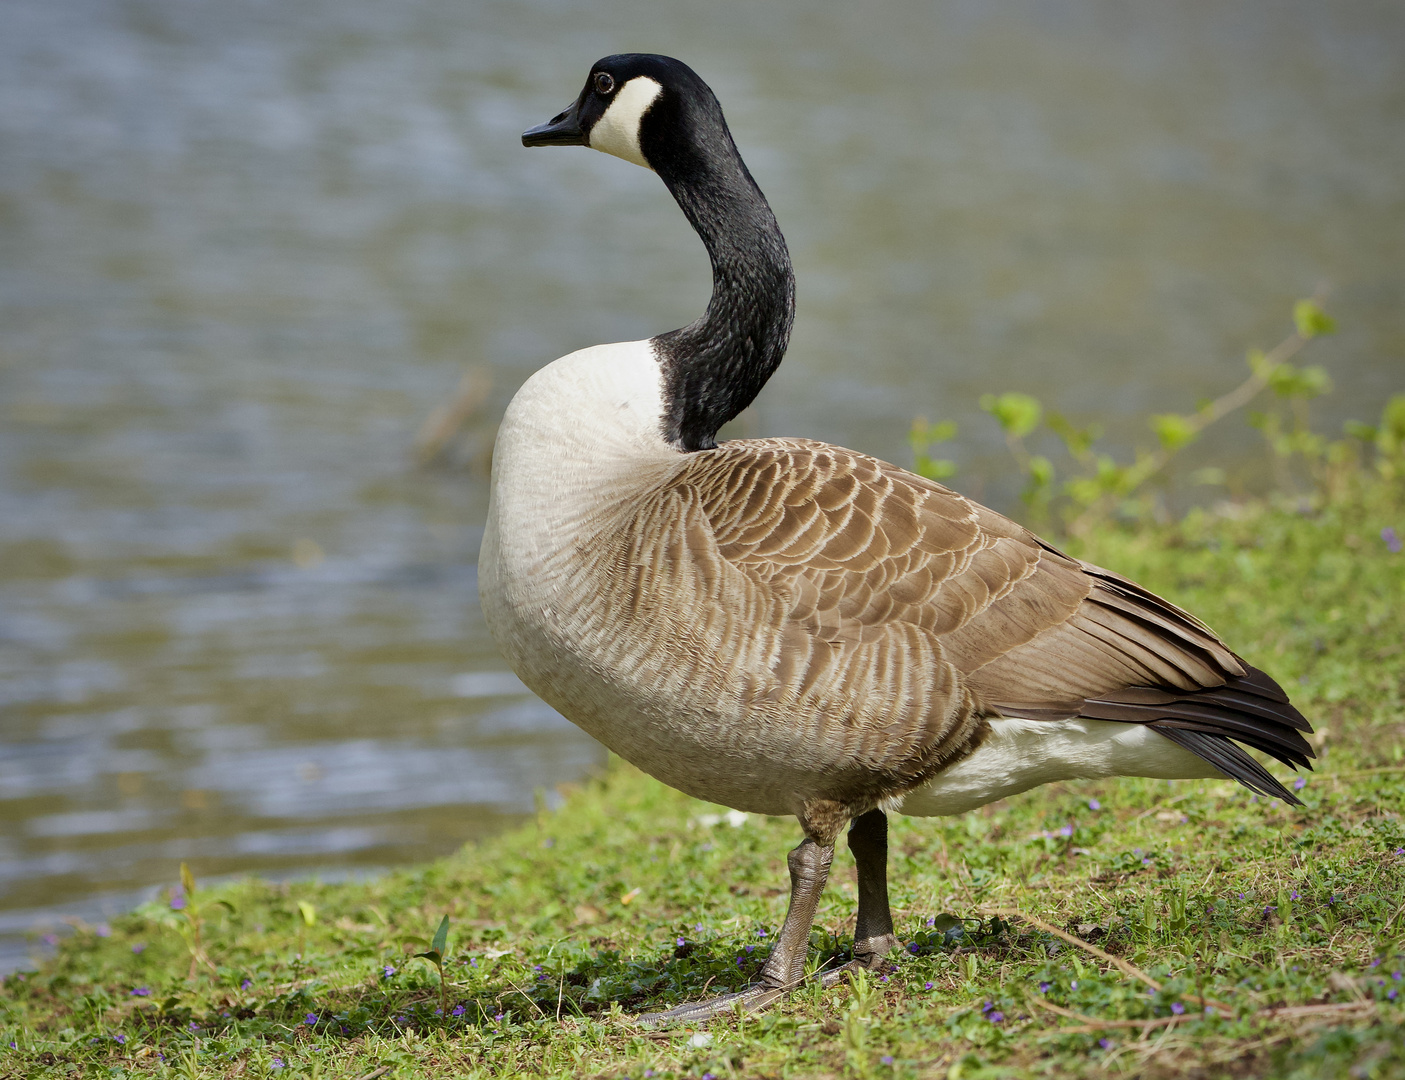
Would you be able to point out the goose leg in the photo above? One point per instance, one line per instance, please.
(873, 933)
(785, 968)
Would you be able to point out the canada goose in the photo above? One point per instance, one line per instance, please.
(788, 627)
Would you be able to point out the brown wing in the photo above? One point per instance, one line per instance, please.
(906, 611)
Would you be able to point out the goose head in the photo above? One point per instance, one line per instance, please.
(651, 110)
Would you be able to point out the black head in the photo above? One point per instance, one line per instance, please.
(642, 107)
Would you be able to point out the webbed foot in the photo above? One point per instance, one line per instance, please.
(753, 999)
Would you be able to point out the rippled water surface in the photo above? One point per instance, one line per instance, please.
(246, 247)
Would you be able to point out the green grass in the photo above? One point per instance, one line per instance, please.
(563, 927)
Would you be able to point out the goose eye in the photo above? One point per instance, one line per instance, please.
(604, 82)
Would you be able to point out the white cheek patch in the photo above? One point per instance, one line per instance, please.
(617, 131)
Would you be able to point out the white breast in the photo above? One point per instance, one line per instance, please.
(572, 443)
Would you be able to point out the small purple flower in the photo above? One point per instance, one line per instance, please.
(886, 1059)
(498, 1017)
(277, 1063)
(1392, 540)
(177, 901)
(246, 984)
(140, 991)
(987, 1006)
(649, 1073)
(1210, 1011)
(1177, 1008)
(1106, 1044)
(751, 948)
(120, 1039)
(708, 1076)
(1395, 975)
(1073, 985)
(1300, 783)
(1392, 994)
(682, 941)
(698, 928)
(310, 1020)
(388, 971)
(912, 947)
(1093, 804)
(931, 920)
(1044, 988)
(928, 986)
(194, 1026)
(761, 933)
(50, 939)
(1146, 862)
(996, 1017)
(1065, 830)
(103, 930)
(458, 1010)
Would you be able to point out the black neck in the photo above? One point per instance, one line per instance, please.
(715, 367)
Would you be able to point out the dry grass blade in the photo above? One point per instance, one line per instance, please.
(1299, 1012)
(1093, 950)
(441, 425)
(1356, 774)
(375, 1074)
(1090, 1023)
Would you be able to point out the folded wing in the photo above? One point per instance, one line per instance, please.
(907, 610)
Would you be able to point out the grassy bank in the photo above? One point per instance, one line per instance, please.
(1226, 935)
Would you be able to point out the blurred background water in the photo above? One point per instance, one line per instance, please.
(247, 246)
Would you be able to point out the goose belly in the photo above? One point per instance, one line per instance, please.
(619, 691)
(1020, 754)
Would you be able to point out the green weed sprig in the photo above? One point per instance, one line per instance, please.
(437, 954)
(1098, 485)
(191, 922)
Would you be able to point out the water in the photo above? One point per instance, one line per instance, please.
(246, 247)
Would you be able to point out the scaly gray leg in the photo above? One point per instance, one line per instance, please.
(873, 933)
(785, 968)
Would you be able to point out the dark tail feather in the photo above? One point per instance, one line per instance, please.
(1231, 759)
(1250, 708)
